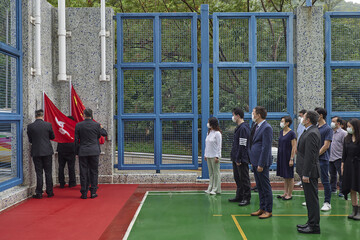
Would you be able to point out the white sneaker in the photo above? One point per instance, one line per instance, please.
(326, 207)
(298, 184)
(207, 191)
(212, 193)
(304, 204)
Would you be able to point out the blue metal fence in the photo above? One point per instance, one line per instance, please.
(244, 63)
(342, 64)
(11, 115)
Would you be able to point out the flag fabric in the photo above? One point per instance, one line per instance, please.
(63, 127)
(77, 109)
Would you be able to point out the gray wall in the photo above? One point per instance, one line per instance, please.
(83, 65)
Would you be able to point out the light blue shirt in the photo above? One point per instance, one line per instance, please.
(300, 130)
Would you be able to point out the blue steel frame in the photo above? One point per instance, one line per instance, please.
(329, 64)
(17, 117)
(157, 66)
(253, 64)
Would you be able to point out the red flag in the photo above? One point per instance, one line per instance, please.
(63, 127)
(77, 109)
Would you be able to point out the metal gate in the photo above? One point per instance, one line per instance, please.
(157, 69)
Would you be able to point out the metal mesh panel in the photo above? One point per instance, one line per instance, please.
(8, 22)
(345, 90)
(275, 124)
(345, 39)
(271, 40)
(138, 40)
(176, 40)
(138, 91)
(177, 142)
(234, 40)
(8, 150)
(176, 90)
(271, 89)
(7, 83)
(139, 142)
(233, 89)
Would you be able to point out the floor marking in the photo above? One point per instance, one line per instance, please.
(217, 215)
(135, 216)
(238, 227)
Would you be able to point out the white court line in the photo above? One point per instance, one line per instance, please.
(134, 218)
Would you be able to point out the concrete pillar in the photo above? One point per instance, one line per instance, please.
(309, 76)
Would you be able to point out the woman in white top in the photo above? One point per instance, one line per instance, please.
(213, 155)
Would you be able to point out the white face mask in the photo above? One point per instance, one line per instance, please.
(333, 125)
(233, 119)
(302, 122)
(253, 117)
(350, 130)
(282, 125)
(208, 125)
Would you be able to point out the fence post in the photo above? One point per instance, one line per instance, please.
(205, 97)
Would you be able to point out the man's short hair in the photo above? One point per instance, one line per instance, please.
(322, 111)
(313, 117)
(238, 111)
(88, 112)
(262, 111)
(39, 113)
(287, 119)
(302, 111)
(338, 119)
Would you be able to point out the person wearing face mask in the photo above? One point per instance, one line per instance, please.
(324, 155)
(240, 159)
(307, 166)
(350, 166)
(285, 157)
(336, 151)
(212, 155)
(261, 159)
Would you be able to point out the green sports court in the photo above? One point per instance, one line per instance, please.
(196, 215)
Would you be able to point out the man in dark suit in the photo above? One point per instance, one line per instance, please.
(261, 159)
(40, 133)
(66, 154)
(307, 166)
(87, 134)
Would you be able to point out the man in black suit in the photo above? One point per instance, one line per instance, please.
(66, 154)
(307, 166)
(40, 133)
(87, 134)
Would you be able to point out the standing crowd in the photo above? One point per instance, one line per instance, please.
(329, 152)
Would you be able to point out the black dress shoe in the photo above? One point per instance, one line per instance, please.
(94, 195)
(37, 196)
(72, 185)
(302, 225)
(83, 196)
(234, 200)
(244, 203)
(62, 186)
(50, 195)
(309, 230)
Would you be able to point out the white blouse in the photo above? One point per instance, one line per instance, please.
(213, 144)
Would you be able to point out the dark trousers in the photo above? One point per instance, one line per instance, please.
(312, 202)
(324, 175)
(242, 179)
(335, 169)
(264, 188)
(68, 158)
(43, 163)
(89, 164)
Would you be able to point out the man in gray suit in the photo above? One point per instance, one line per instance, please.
(87, 134)
(40, 133)
(307, 166)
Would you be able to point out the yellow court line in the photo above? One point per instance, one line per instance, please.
(239, 228)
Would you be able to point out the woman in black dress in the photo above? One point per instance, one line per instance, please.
(350, 166)
(285, 157)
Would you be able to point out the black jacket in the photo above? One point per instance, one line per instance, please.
(87, 134)
(66, 147)
(40, 133)
(307, 158)
(239, 149)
